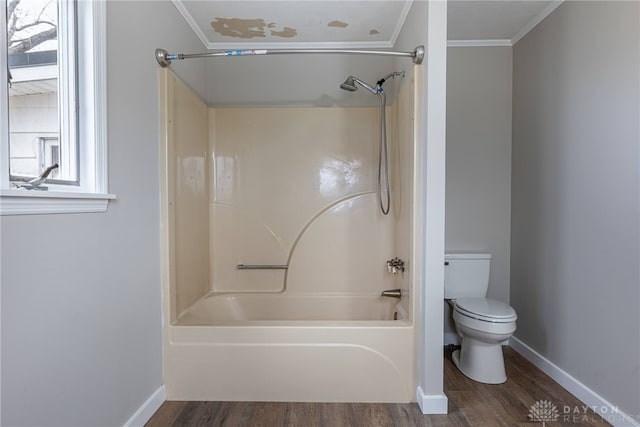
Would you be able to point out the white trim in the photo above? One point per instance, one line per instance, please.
(4, 102)
(592, 399)
(99, 91)
(478, 43)
(192, 22)
(33, 202)
(148, 408)
(68, 87)
(509, 42)
(432, 404)
(536, 20)
(93, 103)
(400, 23)
(433, 134)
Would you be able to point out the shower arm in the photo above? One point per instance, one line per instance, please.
(164, 58)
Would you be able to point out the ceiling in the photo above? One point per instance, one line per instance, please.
(495, 20)
(224, 24)
(290, 24)
(313, 80)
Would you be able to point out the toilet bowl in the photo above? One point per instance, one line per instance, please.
(483, 324)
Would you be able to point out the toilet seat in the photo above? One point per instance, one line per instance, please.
(485, 309)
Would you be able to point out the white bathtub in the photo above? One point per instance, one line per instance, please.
(244, 309)
(270, 347)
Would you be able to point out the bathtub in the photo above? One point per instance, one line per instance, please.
(277, 347)
(245, 309)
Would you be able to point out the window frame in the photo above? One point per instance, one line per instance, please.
(91, 194)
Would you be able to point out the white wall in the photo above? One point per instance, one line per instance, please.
(575, 272)
(296, 80)
(426, 25)
(478, 199)
(81, 313)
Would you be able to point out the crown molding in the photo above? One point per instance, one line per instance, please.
(400, 23)
(536, 20)
(478, 43)
(506, 42)
(192, 22)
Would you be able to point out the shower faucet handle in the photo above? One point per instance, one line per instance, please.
(394, 265)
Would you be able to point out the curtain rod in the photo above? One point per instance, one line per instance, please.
(164, 58)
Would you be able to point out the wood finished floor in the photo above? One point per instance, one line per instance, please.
(471, 404)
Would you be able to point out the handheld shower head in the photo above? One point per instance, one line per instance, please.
(350, 85)
(390, 76)
(383, 171)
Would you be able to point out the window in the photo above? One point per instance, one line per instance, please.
(54, 111)
(41, 40)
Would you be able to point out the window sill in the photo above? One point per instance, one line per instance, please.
(29, 202)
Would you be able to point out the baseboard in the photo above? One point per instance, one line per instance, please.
(148, 408)
(433, 403)
(593, 400)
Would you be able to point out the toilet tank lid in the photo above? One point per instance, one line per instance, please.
(467, 255)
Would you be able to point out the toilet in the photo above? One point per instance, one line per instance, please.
(481, 323)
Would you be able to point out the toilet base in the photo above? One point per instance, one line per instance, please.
(480, 361)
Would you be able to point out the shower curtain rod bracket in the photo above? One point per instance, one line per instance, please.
(164, 58)
(418, 55)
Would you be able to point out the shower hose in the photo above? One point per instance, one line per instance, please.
(384, 200)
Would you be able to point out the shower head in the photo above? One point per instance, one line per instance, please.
(350, 85)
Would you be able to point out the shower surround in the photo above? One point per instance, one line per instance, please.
(291, 187)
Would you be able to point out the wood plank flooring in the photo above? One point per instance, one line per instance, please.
(471, 404)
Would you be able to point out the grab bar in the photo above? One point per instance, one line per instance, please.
(261, 267)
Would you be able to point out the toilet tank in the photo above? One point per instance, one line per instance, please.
(466, 275)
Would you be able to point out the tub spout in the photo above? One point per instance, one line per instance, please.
(392, 293)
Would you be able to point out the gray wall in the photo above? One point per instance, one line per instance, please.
(575, 269)
(81, 313)
(479, 158)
